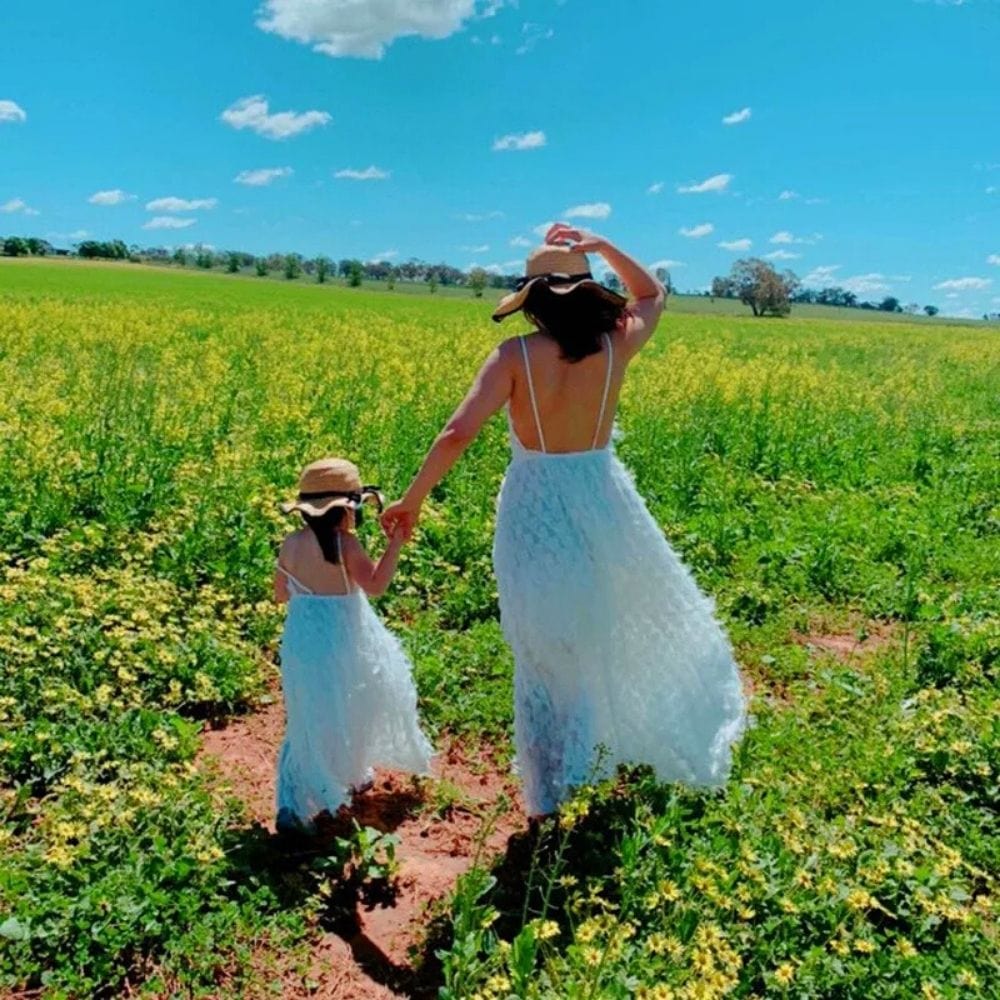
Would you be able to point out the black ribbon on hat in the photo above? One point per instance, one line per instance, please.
(553, 279)
(357, 497)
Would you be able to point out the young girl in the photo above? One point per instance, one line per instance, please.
(350, 702)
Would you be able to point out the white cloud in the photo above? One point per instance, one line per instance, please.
(11, 112)
(992, 189)
(994, 258)
(668, 264)
(262, 176)
(361, 28)
(480, 216)
(253, 113)
(483, 248)
(18, 205)
(115, 197)
(533, 34)
(594, 210)
(168, 222)
(371, 173)
(743, 244)
(786, 237)
(716, 183)
(737, 117)
(865, 284)
(964, 284)
(521, 241)
(519, 140)
(385, 255)
(696, 232)
(782, 255)
(79, 234)
(655, 188)
(180, 204)
(822, 275)
(788, 195)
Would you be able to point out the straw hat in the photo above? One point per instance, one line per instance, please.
(562, 269)
(329, 483)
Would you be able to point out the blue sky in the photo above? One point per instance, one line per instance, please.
(864, 137)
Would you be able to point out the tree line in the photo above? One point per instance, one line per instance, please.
(755, 283)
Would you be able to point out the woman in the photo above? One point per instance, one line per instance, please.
(618, 656)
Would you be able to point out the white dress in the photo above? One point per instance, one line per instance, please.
(350, 701)
(615, 646)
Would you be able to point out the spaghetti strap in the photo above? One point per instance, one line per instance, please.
(340, 563)
(607, 386)
(297, 584)
(531, 392)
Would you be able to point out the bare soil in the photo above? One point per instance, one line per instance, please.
(465, 813)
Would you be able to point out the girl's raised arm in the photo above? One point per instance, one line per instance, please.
(372, 577)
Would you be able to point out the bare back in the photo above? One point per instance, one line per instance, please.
(302, 559)
(568, 395)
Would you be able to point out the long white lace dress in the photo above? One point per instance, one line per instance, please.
(350, 702)
(615, 646)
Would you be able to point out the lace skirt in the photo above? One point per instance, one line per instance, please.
(350, 703)
(619, 658)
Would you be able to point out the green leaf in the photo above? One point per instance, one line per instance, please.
(14, 930)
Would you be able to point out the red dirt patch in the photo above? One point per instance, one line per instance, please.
(849, 646)
(467, 810)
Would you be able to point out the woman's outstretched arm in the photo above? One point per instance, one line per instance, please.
(489, 392)
(648, 295)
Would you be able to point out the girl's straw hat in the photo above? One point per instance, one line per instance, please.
(329, 483)
(562, 269)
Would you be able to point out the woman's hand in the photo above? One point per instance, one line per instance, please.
(581, 240)
(400, 518)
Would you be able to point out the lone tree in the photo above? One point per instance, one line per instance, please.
(931, 310)
(890, 304)
(477, 281)
(322, 269)
(756, 284)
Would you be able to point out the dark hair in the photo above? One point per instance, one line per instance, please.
(575, 320)
(326, 528)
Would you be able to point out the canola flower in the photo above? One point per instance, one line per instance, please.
(805, 471)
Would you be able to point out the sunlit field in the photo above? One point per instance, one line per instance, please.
(834, 485)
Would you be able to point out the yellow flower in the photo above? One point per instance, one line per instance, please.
(546, 929)
(864, 946)
(785, 973)
(905, 948)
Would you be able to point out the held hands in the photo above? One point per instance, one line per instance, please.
(580, 240)
(399, 520)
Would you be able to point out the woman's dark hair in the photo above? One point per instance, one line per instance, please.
(575, 320)
(325, 528)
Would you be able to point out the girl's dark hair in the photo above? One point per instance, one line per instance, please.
(575, 320)
(325, 528)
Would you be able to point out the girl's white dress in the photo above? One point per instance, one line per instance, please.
(350, 701)
(619, 658)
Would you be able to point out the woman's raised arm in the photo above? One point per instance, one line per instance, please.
(648, 295)
(489, 392)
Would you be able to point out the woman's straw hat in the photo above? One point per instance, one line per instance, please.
(562, 269)
(329, 483)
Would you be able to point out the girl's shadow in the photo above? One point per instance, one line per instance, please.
(331, 872)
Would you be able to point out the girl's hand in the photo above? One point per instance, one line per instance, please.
(400, 517)
(581, 240)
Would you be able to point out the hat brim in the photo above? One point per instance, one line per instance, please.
(514, 302)
(317, 508)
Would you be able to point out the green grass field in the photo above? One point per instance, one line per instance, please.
(822, 477)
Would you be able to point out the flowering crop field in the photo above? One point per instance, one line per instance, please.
(823, 480)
